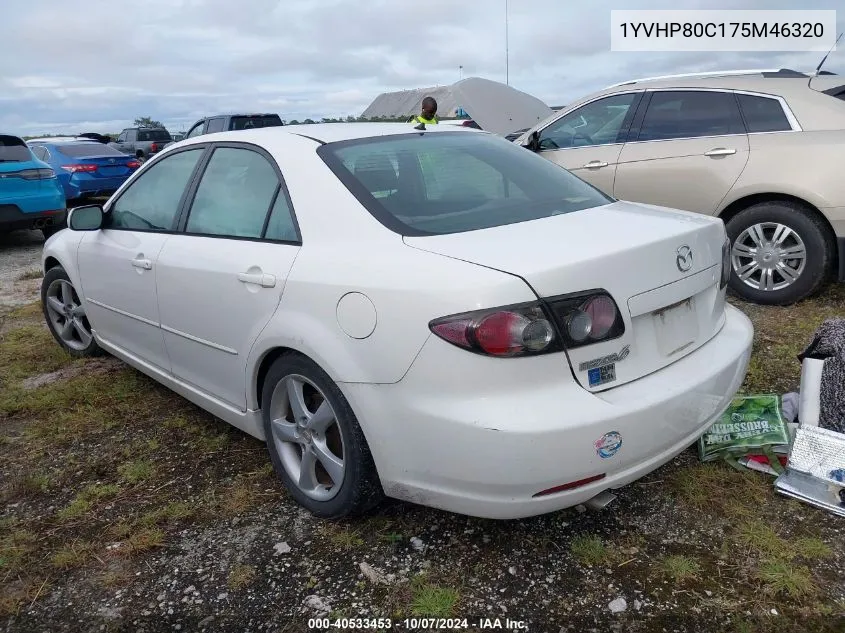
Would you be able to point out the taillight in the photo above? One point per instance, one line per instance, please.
(521, 330)
(133, 164)
(154, 147)
(75, 169)
(587, 317)
(36, 174)
(726, 263)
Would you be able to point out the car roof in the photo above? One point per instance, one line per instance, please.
(326, 132)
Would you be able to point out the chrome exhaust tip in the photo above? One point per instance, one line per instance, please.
(600, 501)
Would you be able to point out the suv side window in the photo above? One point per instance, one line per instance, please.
(196, 130)
(214, 125)
(151, 203)
(599, 122)
(234, 195)
(763, 114)
(690, 114)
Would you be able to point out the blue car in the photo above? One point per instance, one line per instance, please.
(30, 195)
(85, 168)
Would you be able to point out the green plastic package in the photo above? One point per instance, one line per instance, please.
(751, 425)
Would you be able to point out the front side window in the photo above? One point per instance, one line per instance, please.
(763, 114)
(234, 195)
(449, 182)
(196, 130)
(151, 203)
(215, 125)
(690, 114)
(122, 137)
(40, 152)
(600, 122)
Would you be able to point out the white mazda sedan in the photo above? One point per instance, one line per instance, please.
(435, 315)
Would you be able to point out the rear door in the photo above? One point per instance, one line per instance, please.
(118, 264)
(588, 140)
(689, 149)
(221, 280)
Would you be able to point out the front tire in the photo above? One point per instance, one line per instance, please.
(65, 315)
(781, 253)
(315, 442)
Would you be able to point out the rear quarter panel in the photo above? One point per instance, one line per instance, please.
(807, 165)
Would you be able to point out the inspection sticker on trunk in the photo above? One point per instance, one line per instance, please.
(602, 375)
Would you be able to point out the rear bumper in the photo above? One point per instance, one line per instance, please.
(92, 187)
(12, 218)
(483, 436)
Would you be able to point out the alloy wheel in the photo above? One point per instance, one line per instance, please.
(308, 438)
(67, 316)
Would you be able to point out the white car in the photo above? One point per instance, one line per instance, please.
(440, 317)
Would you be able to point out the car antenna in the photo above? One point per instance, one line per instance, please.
(824, 59)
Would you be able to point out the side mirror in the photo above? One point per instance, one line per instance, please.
(87, 218)
(534, 141)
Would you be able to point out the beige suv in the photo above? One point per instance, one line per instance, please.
(763, 150)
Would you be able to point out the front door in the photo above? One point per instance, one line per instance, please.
(690, 150)
(118, 264)
(222, 279)
(588, 140)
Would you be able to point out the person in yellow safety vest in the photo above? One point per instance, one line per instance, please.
(429, 112)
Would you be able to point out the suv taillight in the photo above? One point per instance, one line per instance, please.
(37, 174)
(534, 328)
(154, 147)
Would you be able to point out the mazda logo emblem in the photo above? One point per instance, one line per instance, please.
(684, 258)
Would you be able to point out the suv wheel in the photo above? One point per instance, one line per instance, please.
(780, 253)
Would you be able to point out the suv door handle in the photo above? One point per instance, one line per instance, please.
(146, 264)
(595, 164)
(259, 279)
(720, 151)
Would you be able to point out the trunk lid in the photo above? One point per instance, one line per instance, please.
(629, 250)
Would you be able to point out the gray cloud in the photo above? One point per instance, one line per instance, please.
(67, 69)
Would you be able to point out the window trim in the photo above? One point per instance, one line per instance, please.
(107, 209)
(796, 127)
(202, 123)
(639, 96)
(281, 189)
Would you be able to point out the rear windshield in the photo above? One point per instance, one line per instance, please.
(13, 150)
(249, 122)
(154, 135)
(450, 182)
(83, 150)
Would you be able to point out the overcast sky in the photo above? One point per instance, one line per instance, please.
(95, 65)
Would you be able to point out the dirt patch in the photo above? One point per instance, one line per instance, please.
(126, 508)
(20, 255)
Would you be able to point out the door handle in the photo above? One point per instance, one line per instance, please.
(146, 264)
(720, 151)
(595, 164)
(259, 279)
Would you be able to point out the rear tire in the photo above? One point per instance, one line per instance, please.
(781, 252)
(315, 432)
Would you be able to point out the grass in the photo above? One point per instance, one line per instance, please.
(589, 550)
(342, 538)
(136, 472)
(430, 600)
(241, 576)
(73, 555)
(763, 540)
(780, 577)
(811, 548)
(35, 273)
(680, 568)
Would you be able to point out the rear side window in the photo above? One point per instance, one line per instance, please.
(450, 182)
(690, 114)
(83, 150)
(154, 135)
(763, 114)
(249, 122)
(13, 150)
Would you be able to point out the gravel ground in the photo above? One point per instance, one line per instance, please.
(689, 548)
(20, 252)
